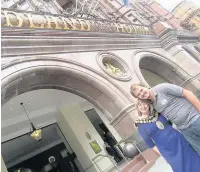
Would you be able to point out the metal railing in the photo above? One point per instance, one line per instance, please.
(126, 159)
(105, 156)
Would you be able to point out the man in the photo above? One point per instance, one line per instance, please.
(178, 105)
(112, 152)
(109, 139)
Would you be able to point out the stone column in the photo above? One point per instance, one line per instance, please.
(124, 121)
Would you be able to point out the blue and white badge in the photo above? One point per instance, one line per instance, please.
(164, 102)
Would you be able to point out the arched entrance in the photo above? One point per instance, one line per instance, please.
(43, 73)
(153, 68)
(52, 73)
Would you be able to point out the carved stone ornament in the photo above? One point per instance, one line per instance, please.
(114, 66)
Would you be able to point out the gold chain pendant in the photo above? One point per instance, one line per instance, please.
(160, 125)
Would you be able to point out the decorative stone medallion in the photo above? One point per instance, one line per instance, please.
(114, 66)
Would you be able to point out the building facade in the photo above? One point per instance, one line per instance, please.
(189, 15)
(95, 54)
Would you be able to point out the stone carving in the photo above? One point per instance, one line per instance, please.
(112, 69)
(62, 22)
(113, 66)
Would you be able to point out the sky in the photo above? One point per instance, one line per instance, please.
(170, 4)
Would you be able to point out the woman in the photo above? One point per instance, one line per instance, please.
(164, 139)
(178, 105)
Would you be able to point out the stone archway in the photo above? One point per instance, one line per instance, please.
(193, 53)
(25, 75)
(159, 68)
(42, 73)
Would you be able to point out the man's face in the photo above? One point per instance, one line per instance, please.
(142, 93)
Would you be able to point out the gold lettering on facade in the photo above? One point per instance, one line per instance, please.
(14, 19)
(85, 25)
(137, 30)
(142, 30)
(77, 24)
(128, 28)
(65, 24)
(147, 30)
(120, 27)
(32, 25)
(69, 25)
(17, 21)
(134, 29)
(52, 22)
(60, 22)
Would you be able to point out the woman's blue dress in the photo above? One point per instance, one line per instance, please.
(171, 144)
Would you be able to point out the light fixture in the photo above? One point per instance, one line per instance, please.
(35, 133)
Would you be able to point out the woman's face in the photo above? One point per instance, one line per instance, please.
(143, 108)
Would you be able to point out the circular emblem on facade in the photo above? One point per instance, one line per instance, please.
(114, 66)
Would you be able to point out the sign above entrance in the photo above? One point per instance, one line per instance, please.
(32, 20)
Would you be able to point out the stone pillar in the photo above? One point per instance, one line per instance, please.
(80, 133)
(124, 121)
(185, 60)
(167, 34)
(190, 65)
